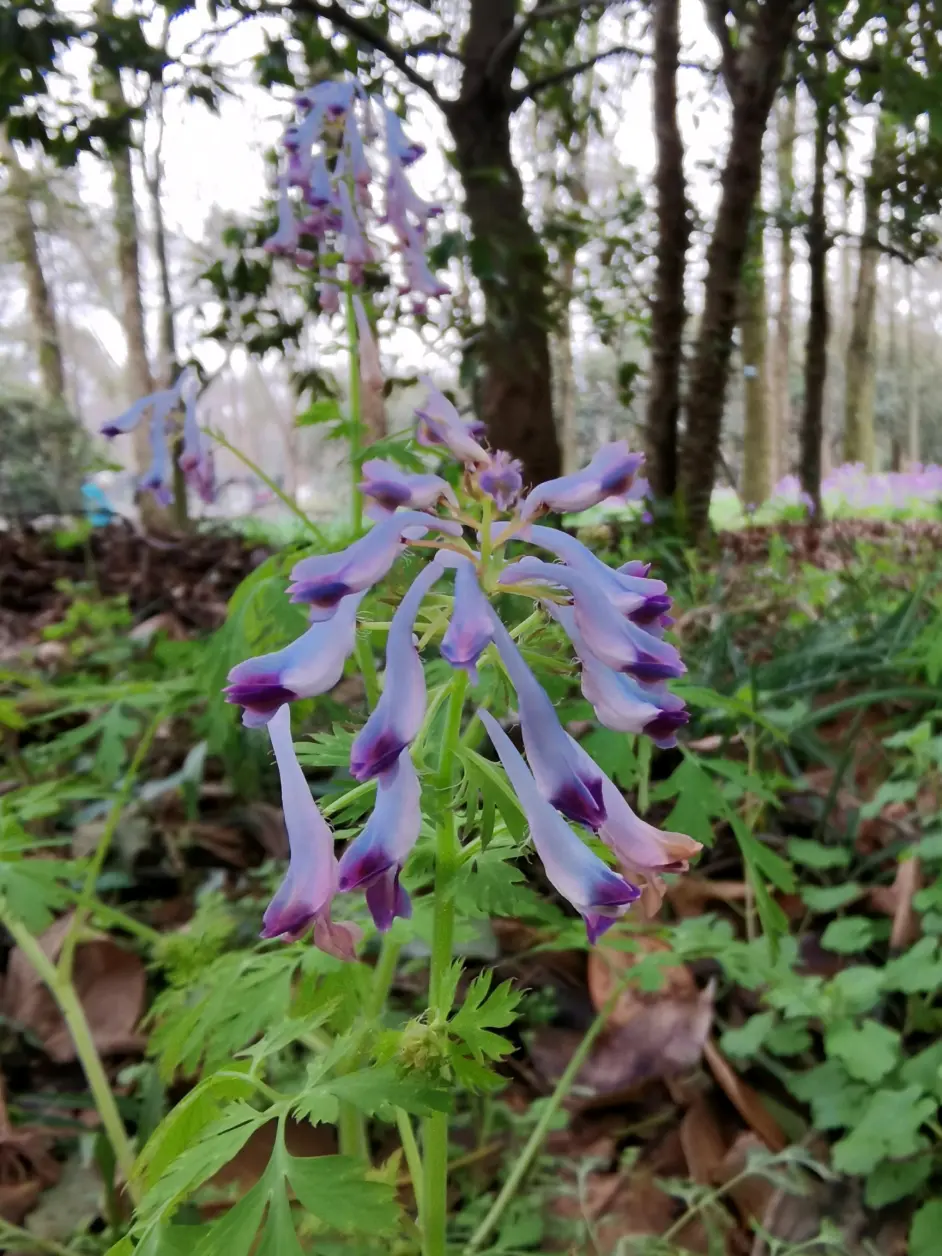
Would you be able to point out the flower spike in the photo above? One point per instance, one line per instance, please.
(310, 883)
(598, 893)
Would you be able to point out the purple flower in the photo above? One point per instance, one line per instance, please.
(398, 716)
(356, 250)
(441, 424)
(327, 290)
(471, 628)
(419, 278)
(632, 594)
(373, 861)
(285, 239)
(388, 487)
(620, 702)
(598, 894)
(319, 192)
(399, 148)
(612, 638)
(304, 896)
(403, 204)
(611, 473)
(323, 580)
(359, 166)
(502, 479)
(371, 371)
(158, 479)
(129, 419)
(309, 666)
(573, 787)
(195, 460)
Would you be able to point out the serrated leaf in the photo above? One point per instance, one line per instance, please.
(858, 987)
(925, 1069)
(482, 1010)
(326, 410)
(333, 1189)
(834, 1097)
(888, 1129)
(869, 1050)
(234, 1233)
(744, 1041)
(920, 969)
(378, 1090)
(328, 750)
(849, 935)
(892, 1180)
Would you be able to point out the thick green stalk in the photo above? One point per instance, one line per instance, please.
(434, 1215)
(535, 1142)
(62, 990)
(355, 418)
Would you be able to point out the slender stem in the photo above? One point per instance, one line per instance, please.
(60, 987)
(86, 902)
(535, 1142)
(355, 418)
(383, 975)
(269, 483)
(367, 665)
(411, 1152)
(28, 1242)
(644, 774)
(485, 533)
(434, 1214)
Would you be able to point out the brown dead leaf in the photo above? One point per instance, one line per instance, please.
(688, 894)
(703, 1141)
(906, 924)
(27, 1165)
(109, 981)
(165, 621)
(753, 1195)
(607, 968)
(744, 1099)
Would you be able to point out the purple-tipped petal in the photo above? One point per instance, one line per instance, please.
(129, 420)
(325, 579)
(374, 860)
(353, 142)
(613, 639)
(502, 479)
(389, 487)
(309, 666)
(320, 192)
(401, 150)
(284, 242)
(568, 784)
(418, 276)
(471, 628)
(158, 479)
(598, 893)
(441, 424)
(611, 473)
(398, 715)
(632, 594)
(356, 250)
(311, 880)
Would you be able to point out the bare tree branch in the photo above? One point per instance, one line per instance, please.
(362, 29)
(541, 13)
(716, 11)
(567, 72)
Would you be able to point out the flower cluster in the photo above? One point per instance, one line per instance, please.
(328, 165)
(615, 619)
(166, 428)
(852, 486)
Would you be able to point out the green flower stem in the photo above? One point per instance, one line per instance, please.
(355, 418)
(367, 664)
(383, 975)
(269, 483)
(486, 533)
(59, 985)
(410, 1149)
(434, 1215)
(534, 1143)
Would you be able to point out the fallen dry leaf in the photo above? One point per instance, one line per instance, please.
(27, 1166)
(744, 1099)
(110, 983)
(703, 1141)
(906, 924)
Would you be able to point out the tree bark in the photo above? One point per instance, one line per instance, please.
(785, 170)
(753, 77)
(756, 470)
(668, 309)
(816, 344)
(859, 368)
(912, 380)
(39, 299)
(508, 259)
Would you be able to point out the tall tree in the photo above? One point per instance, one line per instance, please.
(785, 172)
(39, 298)
(912, 372)
(668, 309)
(756, 466)
(752, 71)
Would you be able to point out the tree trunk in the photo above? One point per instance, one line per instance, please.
(508, 259)
(816, 345)
(756, 469)
(892, 369)
(912, 380)
(668, 310)
(859, 368)
(39, 299)
(757, 75)
(565, 370)
(785, 169)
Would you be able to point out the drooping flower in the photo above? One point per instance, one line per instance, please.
(284, 241)
(129, 419)
(373, 861)
(359, 166)
(311, 665)
(471, 627)
(388, 487)
(419, 278)
(397, 717)
(371, 371)
(573, 787)
(356, 249)
(441, 424)
(620, 702)
(323, 580)
(158, 479)
(610, 636)
(400, 148)
(598, 893)
(632, 594)
(502, 479)
(304, 897)
(610, 473)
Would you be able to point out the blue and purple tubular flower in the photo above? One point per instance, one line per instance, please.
(615, 619)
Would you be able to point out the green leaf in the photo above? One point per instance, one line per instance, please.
(893, 1180)
(333, 1189)
(278, 1233)
(828, 898)
(327, 750)
(234, 1233)
(869, 1051)
(857, 988)
(888, 1129)
(326, 410)
(920, 969)
(482, 1010)
(925, 1069)
(889, 792)
(834, 1097)
(849, 934)
(817, 855)
(744, 1042)
(380, 1089)
(925, 1230)
(788, 1039)
(698, 801)
(492, 783)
